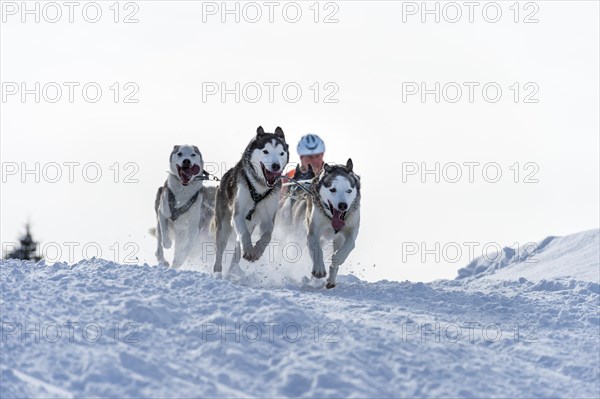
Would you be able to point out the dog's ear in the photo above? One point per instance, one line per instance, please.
(197, 150)
(326, 168)
(175, 150)
(260, 131)
(279, 132)
(349, 165)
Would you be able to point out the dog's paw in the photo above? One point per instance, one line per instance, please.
(250, 257)
(167, 243)
(319, 273)
(329, 285)
(160, 257)
(251, 254)
(218, 268)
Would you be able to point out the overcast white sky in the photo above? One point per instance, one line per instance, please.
(366, 56)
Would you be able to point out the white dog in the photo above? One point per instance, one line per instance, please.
(332, 213)
(183, 205)
(248, 197)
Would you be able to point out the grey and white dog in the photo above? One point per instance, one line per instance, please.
(248, 197)
(332, 213)
(183, 206)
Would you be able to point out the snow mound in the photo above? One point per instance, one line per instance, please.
(576, 256)
(101, 329)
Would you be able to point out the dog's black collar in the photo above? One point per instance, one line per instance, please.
(176, 212)
(256, 197)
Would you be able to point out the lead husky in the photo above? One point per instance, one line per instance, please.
(332, 213)
(248, 196)
(183, 205)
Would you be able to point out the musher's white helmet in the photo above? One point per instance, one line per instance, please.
(310, 144)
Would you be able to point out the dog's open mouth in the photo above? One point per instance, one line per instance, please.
(270, 177)
(187, 173)
(337, 217)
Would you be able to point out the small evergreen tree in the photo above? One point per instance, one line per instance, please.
(27, 249)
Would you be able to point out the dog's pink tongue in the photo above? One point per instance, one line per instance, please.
(336, 220)
(273, 177)
(187, 174)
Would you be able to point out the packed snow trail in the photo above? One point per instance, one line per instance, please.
(148, 331)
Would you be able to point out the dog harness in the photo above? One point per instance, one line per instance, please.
(176, 212)
(256, 197)
(296, 175)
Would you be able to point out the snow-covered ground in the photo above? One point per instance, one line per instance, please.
(523, 325)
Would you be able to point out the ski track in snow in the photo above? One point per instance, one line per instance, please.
(369, 342)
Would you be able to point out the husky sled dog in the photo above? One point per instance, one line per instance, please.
(248, 197)
(332, 213)
(183, 205)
